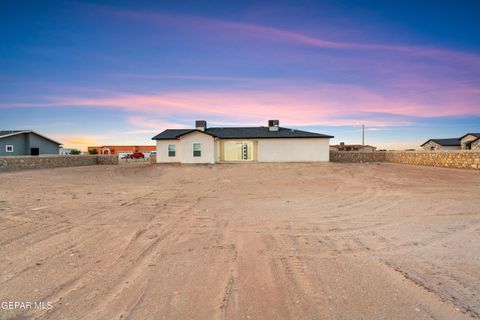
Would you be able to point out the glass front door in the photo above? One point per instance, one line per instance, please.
(238, 150)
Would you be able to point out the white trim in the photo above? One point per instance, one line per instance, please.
(9, 146)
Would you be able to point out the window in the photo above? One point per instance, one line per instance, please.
(171, 150)
(197, 150)
(9, 148)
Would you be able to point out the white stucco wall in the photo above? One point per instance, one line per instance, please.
(162, 151)
(186, 148)
(293, 150)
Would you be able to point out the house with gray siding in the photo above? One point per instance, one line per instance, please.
(26, 143)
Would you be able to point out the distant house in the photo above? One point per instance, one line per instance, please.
(241, 144)
(26, 143)
(352, 147)
(64, 151)
(469, 141)
(441, 144)
(121, 149)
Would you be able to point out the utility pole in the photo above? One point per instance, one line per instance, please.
(363, 136)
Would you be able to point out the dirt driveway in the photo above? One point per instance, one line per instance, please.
(262, 241)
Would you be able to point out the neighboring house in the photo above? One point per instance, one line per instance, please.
(470, 141)
(122, 149)
(441, 144)
(26, 143)
(352, 147)
(241, 144)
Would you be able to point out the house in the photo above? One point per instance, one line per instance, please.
(352, 147)
(121, 149)
(64, 151)
(26, 143)
(470, 141)
(441, 144)
(241, 144)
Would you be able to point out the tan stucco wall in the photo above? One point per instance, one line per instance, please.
(293, 150)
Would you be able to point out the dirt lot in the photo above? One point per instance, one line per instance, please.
(262, 241)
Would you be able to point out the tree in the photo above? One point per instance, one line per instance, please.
(75, 151)
(93, 151)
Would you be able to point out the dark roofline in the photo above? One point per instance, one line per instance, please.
(29, 131)
(435, 140)
(183, 134)
(188, 131)
(476, 134)
(196, 130)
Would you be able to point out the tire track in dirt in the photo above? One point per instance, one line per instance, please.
(131, 266)
(310, 295)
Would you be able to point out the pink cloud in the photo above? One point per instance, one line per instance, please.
(326, 104)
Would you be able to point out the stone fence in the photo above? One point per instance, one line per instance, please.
(450, 159)
(153, 158)
(43, 162)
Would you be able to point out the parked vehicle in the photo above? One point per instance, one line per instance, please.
(137, 155)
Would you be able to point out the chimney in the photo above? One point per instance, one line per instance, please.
(201, 125)
(273, 125)
(342, 143)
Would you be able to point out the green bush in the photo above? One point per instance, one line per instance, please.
(93, 151)
(75, 151)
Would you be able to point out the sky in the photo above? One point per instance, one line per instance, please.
(119, 72)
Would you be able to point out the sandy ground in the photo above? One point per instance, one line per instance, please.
(262, 241)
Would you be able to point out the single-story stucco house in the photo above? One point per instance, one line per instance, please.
(26, 143)
(469, 141)
(241, 144)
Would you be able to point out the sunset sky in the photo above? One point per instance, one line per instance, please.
(119, 72)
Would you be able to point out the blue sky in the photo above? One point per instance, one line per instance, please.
(110, 72)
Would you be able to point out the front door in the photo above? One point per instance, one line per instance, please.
(34, 151)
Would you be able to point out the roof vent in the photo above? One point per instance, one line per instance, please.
(273, 125)
(201, 125)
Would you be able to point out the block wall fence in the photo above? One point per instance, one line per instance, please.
(449, 159)
(44, 162)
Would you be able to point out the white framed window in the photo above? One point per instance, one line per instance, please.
(9, 148)
(197, 149)
(171, 150)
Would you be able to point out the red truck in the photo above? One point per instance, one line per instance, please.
(136, 155)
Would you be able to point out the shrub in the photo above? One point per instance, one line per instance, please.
(75, 151)
(93, 151)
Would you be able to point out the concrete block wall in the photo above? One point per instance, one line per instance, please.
(449, 159)
(44, 162)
